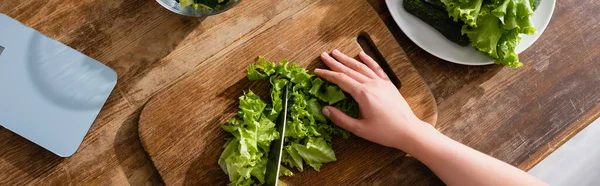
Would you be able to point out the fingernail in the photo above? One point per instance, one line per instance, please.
(336, 51)
(324, 54)
(363, 53)
(326, 112)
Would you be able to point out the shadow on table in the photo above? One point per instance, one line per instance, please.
(205, 169)
(26, 156)
(404, 171)
(133, 159)
(171, 29)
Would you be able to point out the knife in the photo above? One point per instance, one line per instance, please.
(274, 161)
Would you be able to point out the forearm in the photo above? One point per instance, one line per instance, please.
(457, 164)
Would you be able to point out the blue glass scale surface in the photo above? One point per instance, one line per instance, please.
(49, 93)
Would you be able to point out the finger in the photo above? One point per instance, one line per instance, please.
(339, 67)
(341, 119)
(342, 80)
(373, 65)
(354, 64)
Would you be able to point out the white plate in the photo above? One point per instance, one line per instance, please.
(430, 40)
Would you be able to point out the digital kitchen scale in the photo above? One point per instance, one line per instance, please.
(49, 93)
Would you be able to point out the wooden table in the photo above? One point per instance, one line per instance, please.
(516, 115)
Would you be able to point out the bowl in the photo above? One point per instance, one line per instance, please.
(174, 6)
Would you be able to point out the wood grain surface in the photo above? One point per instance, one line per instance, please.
(180, 126)
(517, 115)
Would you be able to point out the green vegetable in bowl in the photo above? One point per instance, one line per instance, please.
(308, 133)
(204, 4)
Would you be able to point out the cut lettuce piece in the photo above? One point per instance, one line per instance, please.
(244, 156)
(186, 3)
(315, 152)
(255, 74)
(330, 94)
(260, 169)
(314, 109)
(251, 107)
(276, 93)
(266, 133)
(335, 94)
(285, 172)
(292, 158)
(262, 71)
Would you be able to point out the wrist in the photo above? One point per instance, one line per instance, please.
(420, 137)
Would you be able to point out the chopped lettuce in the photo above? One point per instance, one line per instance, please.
(308, 132)
(186, 3)
(205, 5)
(316, 152)
(285, 172)
(245, 154)
(493, 26)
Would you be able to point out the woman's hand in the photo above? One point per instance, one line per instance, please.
(385, 117)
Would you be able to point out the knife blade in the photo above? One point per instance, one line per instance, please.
(276, 149)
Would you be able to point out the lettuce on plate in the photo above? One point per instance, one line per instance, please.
(308, 133)
(493, 26)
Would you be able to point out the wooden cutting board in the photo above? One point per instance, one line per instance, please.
(179, 127)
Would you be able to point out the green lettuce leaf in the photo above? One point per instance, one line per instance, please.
(262, 71)
(314, 109)
(276, 92)
(326, 92)
(266, 133)
(285, 172)
(315, 152)
(506, 49)
(486, 35)
(260, 169)
(465, 10)
(244, 156)
(493, 26)
(251, 107)
(255, 74)
(292, 158)
(514, 14)
(335, 94)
